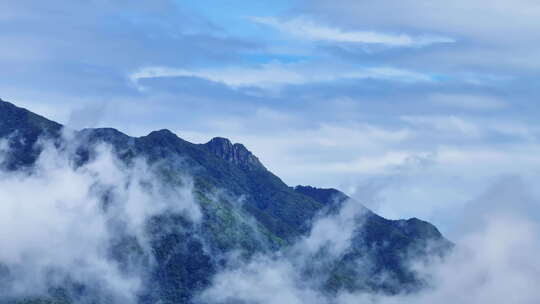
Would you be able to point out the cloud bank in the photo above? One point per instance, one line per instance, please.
(63, 224)
(494, 261)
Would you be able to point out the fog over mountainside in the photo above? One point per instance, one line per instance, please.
(97, 216)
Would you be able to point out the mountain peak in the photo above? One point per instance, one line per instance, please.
(237, 154)
(163, 133)
(23, 128)
(12, 116)
(417, 227)
(219, 141)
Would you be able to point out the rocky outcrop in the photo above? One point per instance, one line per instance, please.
(233, 153)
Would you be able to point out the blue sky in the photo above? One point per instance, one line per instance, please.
(415, 108)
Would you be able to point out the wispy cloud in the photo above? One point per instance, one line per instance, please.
(469, 102)
(278, 74)
(307, 29)
(449, 123)
(484, 267)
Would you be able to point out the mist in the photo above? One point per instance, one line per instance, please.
(494, 260)
(77, 228)
(60, 222)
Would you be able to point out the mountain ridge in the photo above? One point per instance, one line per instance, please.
(225, 175)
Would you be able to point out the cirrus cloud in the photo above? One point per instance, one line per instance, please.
(307, 29)
(277, 74)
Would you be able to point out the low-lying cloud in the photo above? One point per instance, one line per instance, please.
(59, 219)
(59, 222)
(494, 261)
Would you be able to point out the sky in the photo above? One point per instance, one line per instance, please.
(416, 108)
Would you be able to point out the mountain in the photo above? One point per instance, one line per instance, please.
(246, 209)
(23, 129)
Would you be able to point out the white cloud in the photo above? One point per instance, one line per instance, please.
(276, 74)
(469, 102)
(456, 127)
(449, 124)
(494, 262)
(263, 281)
(485, 160)
(494, 35)
(467, 18)
(54, 220)
(355, 148)
(304, 28)
(495, 259)
(378, 163)
(263, 76)
(279, 277)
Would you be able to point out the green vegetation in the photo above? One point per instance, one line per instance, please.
(245, 209)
